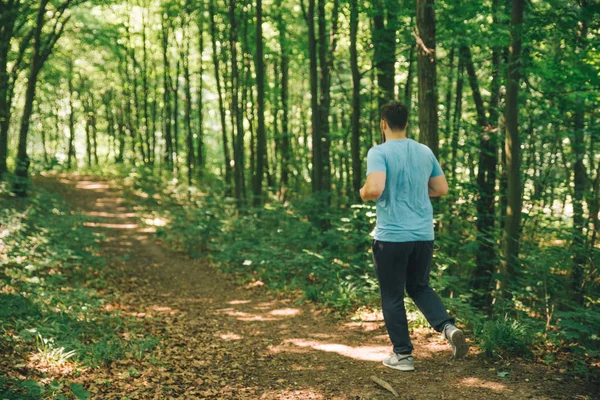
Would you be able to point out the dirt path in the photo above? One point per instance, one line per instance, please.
(221, 341)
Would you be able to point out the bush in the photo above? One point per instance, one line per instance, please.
(505, 337)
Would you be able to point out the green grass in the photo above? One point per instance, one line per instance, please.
(53, 288)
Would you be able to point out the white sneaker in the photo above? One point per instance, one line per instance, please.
(456, 338)
(401, 362)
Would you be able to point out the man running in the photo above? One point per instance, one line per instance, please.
(402, 175)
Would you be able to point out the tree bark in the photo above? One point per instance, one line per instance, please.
(188, 102)
(226, 155)
(316, 156)
(508, 266)
(384, 42)
(427, 76)
(167, 84)
(71, 153)
(7, 24)
(261, 143)
(579, 174)
(22, 165)
(355, 144)
(285, 73)
(200, 145)
(238, 148)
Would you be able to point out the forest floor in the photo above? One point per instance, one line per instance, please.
(220, 340)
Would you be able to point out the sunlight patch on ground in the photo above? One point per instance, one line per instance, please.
(235, 302)
(243, 316)
(365, 353)
(363, 326)
(266, 305)
(285, 312)
(302, 394)
(110, 226)
(88, 185)
(104, 214)
(230, 336)
(480, 383)
(158, 221)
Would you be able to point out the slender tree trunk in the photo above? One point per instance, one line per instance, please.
(408, 88)
(327, 45)
(238, 148)
(200, 144)
(7, 24)
(316, 158)
(427, 76)
(384, 41)
(226, 155)
(88, 135)
(188, 102)
(167, 87)
(457, 119)
(448, 102)
(285, 125)
(145, 88)
(579, 175)
(22, 165)
(176, 116)
(486, 181)
(71, 156)
(261, 142)
(510, 239)
(355, 144)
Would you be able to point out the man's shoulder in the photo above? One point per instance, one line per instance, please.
(423, 147)
(377, 149)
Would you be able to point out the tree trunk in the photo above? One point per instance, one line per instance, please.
(384, 41)
(7, 24)
(355, 143)
(327, 44)
(579, 175)
(486, 182)
(200, 144)
(285, 125)
(261, 143)
(22, 165)
(238, 148)
(457, 119)
(71, 153)
(188, 102)
(167, 84)
(508, 266)
(145, 88)
(226, 155)
(316, 157)
(427, 77)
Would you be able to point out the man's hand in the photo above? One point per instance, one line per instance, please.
(374, 186)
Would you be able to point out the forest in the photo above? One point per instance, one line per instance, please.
(237, 132)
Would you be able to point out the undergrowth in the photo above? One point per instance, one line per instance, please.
(53, 288)
(286, 247)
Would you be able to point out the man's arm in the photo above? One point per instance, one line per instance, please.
(374, 186)
(438, 186)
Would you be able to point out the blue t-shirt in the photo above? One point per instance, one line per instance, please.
(404, 212)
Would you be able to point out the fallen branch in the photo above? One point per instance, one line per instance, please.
(384, 385)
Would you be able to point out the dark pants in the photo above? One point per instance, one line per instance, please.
(400, 265)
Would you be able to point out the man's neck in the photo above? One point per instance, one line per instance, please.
(396, 135)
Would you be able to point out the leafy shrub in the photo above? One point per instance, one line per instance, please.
(505, 337)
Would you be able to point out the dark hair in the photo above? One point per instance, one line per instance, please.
(395, 114)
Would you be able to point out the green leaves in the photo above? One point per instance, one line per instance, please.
(79, 392)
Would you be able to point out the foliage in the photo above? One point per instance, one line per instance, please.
(53, 291)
